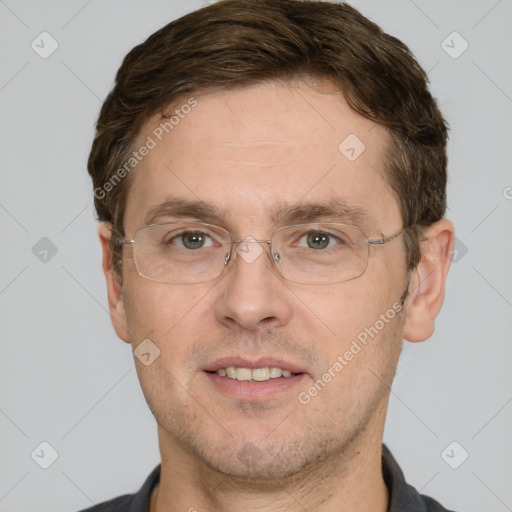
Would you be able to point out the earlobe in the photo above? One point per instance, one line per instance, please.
(428, 281)
(114, 288)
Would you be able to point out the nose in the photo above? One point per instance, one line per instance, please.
(253, 296)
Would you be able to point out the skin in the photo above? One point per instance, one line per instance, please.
(245, 150)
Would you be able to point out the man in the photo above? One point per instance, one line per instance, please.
(270, 179)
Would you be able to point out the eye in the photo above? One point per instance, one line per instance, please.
(190, 240)
(320, 240)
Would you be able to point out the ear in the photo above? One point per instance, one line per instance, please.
(114, 288)
(428, 281)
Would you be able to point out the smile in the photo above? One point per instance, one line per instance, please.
(254, 374)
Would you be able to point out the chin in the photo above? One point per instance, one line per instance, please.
(251, 465)
(261, 460)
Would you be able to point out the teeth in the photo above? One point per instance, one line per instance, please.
(257, 374)
(275, 372)
(230, 372)
(243, 374)
(260, 374)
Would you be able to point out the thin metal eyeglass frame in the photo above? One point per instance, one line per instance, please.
(229, 259)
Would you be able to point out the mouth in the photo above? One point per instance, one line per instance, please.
(255, 374)
(253, 380)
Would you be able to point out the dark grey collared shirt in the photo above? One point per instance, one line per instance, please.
(402, 497)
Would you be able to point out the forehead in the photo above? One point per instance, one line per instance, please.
(250, 151)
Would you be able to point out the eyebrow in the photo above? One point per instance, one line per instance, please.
(334, 209)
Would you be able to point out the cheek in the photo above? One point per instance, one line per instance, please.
(348, 309)
(362, 321)
(165, 313)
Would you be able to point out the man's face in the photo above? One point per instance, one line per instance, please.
(248, 151)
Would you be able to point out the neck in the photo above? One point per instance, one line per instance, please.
(350, 481)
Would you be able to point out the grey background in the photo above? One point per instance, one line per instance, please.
(66, 379)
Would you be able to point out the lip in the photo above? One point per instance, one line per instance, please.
(262, 362)
(254, 391)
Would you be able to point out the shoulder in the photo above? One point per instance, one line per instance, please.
(402, 496)
(139, 502)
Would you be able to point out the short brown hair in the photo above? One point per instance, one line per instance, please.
(235, 43)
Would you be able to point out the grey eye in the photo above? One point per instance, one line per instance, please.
(190, 240)
(318, 240)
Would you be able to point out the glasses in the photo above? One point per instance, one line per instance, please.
(195, 252)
